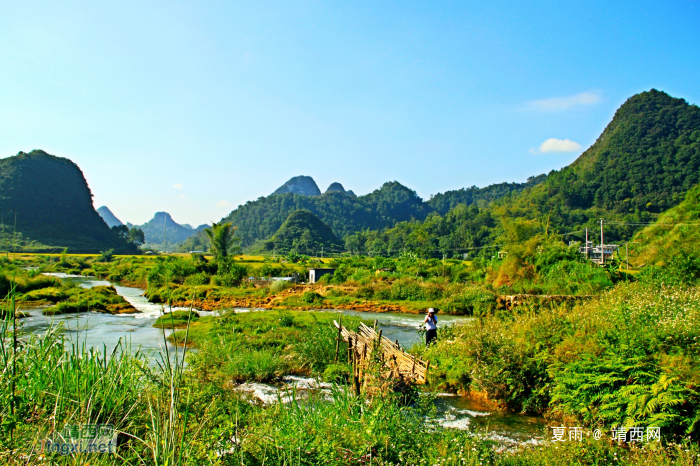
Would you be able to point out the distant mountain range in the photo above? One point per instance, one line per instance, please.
(644, 163)
(345, 213)
(51, 203)
(162, 229)
(110, 219)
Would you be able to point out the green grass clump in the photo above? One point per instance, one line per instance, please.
(279, 286)
(51, 294)
(176, 319)
(276, 342)
(99, 298)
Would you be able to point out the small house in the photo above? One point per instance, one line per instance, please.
(316, 274)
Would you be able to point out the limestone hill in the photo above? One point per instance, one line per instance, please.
(52, 205)
(305, 233)
(162, 228)
(302, 185)
(110, 219)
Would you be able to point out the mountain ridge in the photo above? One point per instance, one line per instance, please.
(162, 229)
(110, 219)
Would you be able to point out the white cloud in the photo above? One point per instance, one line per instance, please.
(556, 145)
(178, 186)
(564, 103)
(223, 204)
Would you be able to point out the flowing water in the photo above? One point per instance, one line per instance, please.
(96, 329)
(402, 327)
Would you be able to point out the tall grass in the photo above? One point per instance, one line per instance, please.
(48, 383)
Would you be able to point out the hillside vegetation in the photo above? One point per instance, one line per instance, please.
(303, 232)
(645, 161)
(51, 203)
(675, 234)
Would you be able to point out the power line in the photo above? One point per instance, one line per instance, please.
(654, 223)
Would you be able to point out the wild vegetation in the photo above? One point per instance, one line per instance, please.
(203, 413)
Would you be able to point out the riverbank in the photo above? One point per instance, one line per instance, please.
(214, 405)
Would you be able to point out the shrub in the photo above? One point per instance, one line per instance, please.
(286, 319)
(365, 292)
(106, 256)
(311, 297)
(279, 286)
(337, 373)
(407, 289)
(230, 272)
(197, 279)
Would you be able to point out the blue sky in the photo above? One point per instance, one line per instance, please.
(197, 107)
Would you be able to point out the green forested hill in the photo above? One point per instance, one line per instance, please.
(642, 164)
(645, 161)
(342, 212)
(52, 204)
(303, 232)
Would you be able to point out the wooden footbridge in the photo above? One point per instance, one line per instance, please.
(368, 344)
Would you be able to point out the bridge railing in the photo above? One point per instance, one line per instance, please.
(367, 343)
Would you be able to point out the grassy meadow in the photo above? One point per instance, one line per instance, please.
(627, 358)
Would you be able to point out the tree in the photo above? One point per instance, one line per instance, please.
(136, 237)
(121, 231)
(223, 239)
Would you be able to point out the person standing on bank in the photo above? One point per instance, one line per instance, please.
(431, 326)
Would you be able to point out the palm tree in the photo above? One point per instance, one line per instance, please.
(223, 239)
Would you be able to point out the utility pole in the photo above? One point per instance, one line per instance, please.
(602, 244)
(586, 243)
(321, 253)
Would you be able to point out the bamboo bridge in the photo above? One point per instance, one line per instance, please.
(368, 344)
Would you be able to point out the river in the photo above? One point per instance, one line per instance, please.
(96, 329)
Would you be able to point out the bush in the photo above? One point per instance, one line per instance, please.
(286, 319)
(230, 272)
(408, 290)
(279, 286)
(365, 292)
(269, 270)
(197, 279)
(337, 373)
(682, 270)
(311, 297)
(261, 365)
(106, 256)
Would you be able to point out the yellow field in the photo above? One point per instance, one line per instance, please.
(243, 258)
